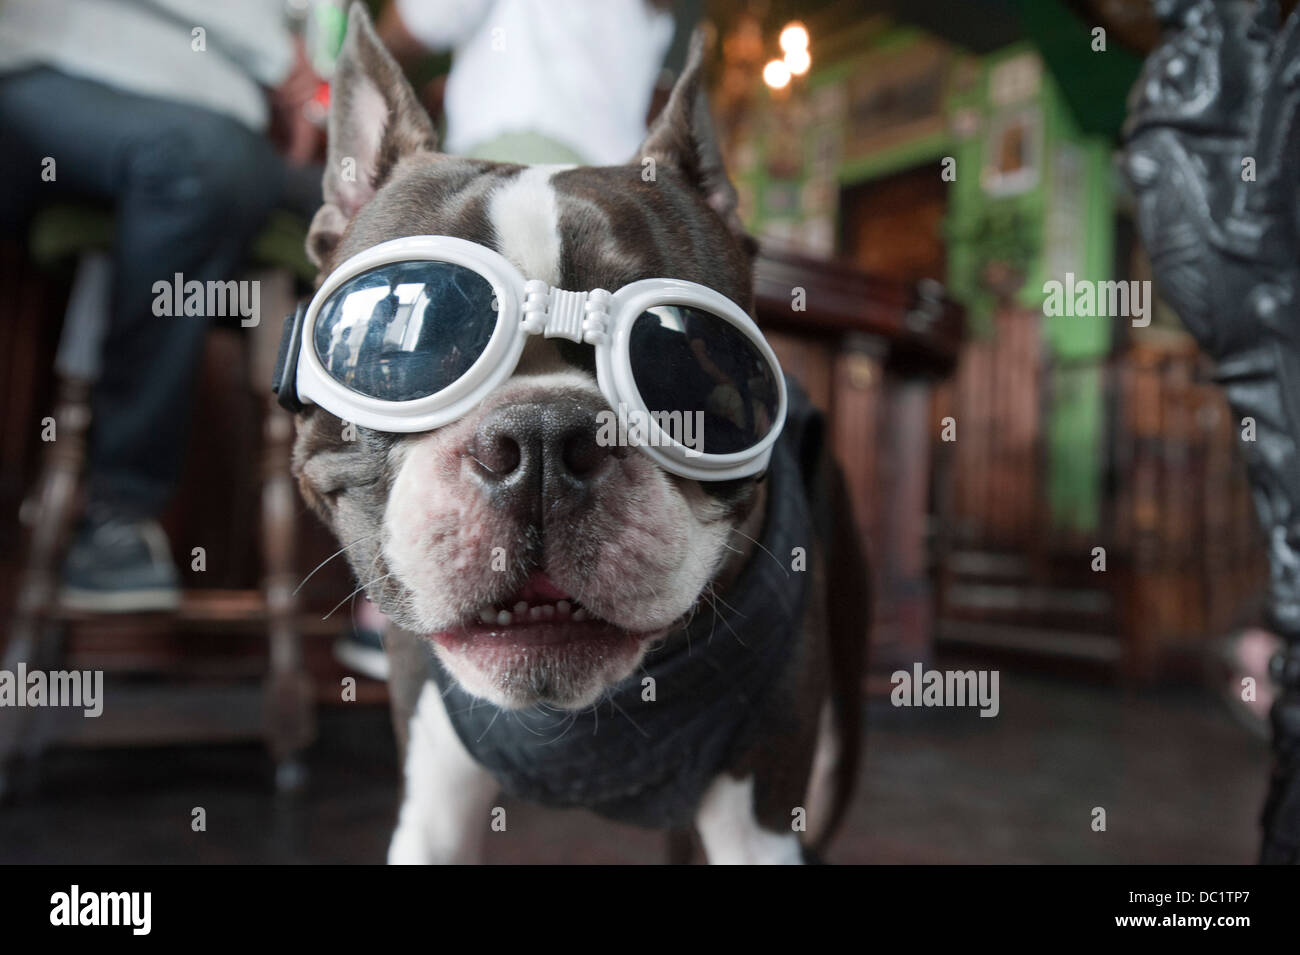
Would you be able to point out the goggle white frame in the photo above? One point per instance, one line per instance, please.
(527, 307)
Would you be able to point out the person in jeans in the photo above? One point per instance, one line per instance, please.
(159, 108)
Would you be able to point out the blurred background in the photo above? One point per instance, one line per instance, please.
(920, 169)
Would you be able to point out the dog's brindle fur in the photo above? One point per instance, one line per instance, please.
(417, 521)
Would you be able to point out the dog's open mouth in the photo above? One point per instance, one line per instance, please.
(538, 613)
(539, 645)
(538, 601)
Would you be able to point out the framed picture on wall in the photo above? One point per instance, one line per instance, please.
(895, 98)
(1013, 153)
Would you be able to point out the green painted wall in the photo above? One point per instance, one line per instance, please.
(1067, 223)
(1063, 222)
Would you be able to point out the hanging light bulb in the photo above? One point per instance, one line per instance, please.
(798, 61)
(794, 37)
(776, 74)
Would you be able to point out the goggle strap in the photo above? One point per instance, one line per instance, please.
(285, 381)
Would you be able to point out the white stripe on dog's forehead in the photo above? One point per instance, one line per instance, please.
(526, 219)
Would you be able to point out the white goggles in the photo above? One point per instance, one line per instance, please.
(413, 333)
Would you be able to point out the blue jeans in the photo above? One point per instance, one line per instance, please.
(190, 188)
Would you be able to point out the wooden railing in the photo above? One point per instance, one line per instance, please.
(1183, 556)
(1182, 516)
(869, 351)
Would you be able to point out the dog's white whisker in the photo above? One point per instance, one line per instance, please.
(569, 724)
(614, 703)
(354, 593)
(759, 545)
(713, 596)
(713, 590)
(341, 550)
(491, 723)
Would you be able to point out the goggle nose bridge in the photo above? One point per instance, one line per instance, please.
(557, 313)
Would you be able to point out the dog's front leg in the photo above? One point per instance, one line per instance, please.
(447, 804)
(732, 835)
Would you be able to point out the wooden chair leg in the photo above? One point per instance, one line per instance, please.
(290, 715)
(49, 514)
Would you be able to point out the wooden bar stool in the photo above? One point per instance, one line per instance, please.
(281, 711)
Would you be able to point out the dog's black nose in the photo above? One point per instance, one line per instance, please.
(536, 457)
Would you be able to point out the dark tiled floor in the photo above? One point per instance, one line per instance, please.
(1179, 780)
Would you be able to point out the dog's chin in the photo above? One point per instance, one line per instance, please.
(565, 665)
(540, 646)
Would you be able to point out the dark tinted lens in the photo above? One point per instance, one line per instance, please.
(687, 360)
(406, 330)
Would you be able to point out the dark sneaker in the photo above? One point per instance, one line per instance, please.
(120, 565)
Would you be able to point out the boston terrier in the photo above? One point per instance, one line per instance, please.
(666, 635)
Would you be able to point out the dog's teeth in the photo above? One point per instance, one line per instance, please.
(521, 607)
(487, 615)
(504, 617)
(535, 613)
(548, 612)
(579, 615)
(563, 607)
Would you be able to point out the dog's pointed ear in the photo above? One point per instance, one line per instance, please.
(375, 119)
(683, 138)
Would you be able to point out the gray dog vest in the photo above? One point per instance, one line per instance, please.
(648, 762)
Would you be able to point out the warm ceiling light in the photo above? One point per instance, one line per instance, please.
(794, 37)
(776, 74)
(798, 61)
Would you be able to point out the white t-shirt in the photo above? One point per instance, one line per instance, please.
(578, 71)
(151, 47)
